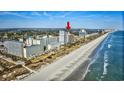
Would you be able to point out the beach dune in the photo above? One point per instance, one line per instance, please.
(63, 67)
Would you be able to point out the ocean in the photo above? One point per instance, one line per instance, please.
(108, 62)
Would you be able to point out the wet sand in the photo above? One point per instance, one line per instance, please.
(64, 67)
(78, 74)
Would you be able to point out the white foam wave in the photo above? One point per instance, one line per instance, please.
(95, 57)
(105, 63)
(109, 45)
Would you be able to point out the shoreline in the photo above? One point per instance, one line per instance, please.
(81, 71)
(60, 70)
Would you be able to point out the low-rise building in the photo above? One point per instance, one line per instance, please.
(82, 32)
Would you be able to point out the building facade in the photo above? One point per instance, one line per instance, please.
(14, 48)
(63, 37)
(32, 47)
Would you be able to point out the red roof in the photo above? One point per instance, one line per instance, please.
(68, 27)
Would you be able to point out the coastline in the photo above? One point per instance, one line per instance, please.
(60, 70)
(81, 71)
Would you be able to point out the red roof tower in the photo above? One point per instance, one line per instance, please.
(68, 27)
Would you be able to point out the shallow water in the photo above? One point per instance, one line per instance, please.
(108, 63)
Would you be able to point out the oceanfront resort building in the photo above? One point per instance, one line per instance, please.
(31, 47)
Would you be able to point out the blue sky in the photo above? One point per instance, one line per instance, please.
(58, 19)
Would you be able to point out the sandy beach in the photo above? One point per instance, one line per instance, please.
(63, 67)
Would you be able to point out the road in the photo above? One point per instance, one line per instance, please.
(62, 68)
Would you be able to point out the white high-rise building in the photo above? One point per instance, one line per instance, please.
(63, 37)
(14, 48)
(31, 47)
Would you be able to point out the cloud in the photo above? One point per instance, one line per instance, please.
(36, 14)
(52, 16)
(65, 14)
(46, 14)
(15, 14)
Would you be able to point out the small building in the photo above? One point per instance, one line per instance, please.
(82, 32)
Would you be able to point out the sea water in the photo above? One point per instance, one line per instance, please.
(108, 62)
